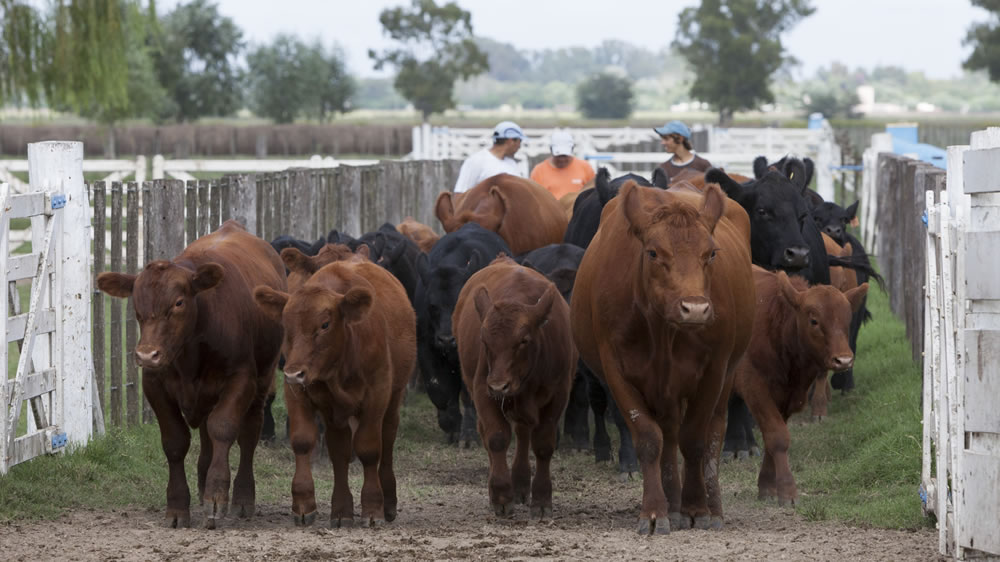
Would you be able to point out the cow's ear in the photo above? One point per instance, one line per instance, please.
(660, 178)
(810, 169)
(356, 304)
(491, 211)
(542, 309)
(270, 301)
(207, 276)
(563, 279)
(444, 209)
(483, 302)
(116, 284)
(379, 244)
(602, 183)
(731, 187)
(297, 261)
(364, 251)
(395, 253)
(852, 211)
(635, 214)
(790, 293)
(856, 296)
(795, 170)
(714, 206)
(476, 262)
(423, 268)
(759, 166)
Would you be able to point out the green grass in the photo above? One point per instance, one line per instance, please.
(860, 466)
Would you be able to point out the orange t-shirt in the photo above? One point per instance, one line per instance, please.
(559, 182)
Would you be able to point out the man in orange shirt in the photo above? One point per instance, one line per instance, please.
(563, 173)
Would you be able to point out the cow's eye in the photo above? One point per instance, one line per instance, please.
(525, 340)
(813, 322)
(325, 325)
(712, 256)
(651, 254)
(762, 211)
(179, 303)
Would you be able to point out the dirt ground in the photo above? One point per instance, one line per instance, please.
(444, 514)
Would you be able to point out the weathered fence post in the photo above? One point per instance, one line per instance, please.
(350, 200)
(243, 201)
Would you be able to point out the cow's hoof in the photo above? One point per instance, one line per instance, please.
(215, 512)
(624, 477)
(390, 515)
(755, 451)
(654, 526)
(728, 456)
(679, 521)
(703, 522)
(341, 522)
(520, 498)
(503, 509)
(764, 495)
(304, 520)
(178, 519)
(374, 522)
(782, 502)
(602, 455)
(817, 419)
(541, 512)
(742, 455)
(244, 510)
(716, 523)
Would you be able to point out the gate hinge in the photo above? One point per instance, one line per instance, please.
(56, 440)
(58, 200)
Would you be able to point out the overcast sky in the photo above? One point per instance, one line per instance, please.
(915, 34)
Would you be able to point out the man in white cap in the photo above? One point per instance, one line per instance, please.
(562, 173)
(497, 159)
(675, 137)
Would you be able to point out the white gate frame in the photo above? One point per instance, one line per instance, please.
(55, 369)
(960, 475)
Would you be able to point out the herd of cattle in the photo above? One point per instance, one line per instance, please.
(687, 308)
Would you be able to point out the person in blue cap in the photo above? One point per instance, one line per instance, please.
(496, 159)
(675, 137)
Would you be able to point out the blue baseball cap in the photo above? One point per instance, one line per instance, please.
(507, 130)
(673, 127)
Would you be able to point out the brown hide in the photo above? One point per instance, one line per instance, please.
(664, 323)
(517, 356)
(521, 211)
(421, 234)
(350, 347)
(799, 333)
(567, 201)
(208, 357)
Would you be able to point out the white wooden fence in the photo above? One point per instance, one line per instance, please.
(182, 169)
(54, 374)
(117, 170)
(960, 477)
(731, 148)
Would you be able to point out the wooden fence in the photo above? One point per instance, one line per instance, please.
(137, 223)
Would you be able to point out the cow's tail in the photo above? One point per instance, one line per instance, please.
(857, 263)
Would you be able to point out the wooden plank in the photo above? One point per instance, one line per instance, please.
(982, 381)
(37, 384)
(982, 170)
(45, 323)
(982, 269)
(204, 224)
(191, 205)
(371, 214)
(25, 205)
(225, 209)
(979, 530)
(28, 447)
(334, 200)
(116, 306)
(259, 207)
(301, 195)
(215, 205)
(21, 267)
(97, 302)
(243, 201)
(350, 200)
(165, 217)
(132, 404)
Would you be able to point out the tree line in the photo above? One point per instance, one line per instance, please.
(111, 60)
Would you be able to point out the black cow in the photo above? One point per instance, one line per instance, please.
(441, 275)
(588, 206)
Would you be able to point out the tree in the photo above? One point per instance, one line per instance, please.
(289, 78)
(985, 41)
(734, 46)
(605, 95)
(436, 48)
(195, 54)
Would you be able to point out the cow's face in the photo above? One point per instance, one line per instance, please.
(318, 324)
(777, 214)
(677, 252)
(823, 319)
(511, 339)
(833, 220)
(442, 286)
(166, 307)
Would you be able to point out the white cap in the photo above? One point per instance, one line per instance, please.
(562, 143)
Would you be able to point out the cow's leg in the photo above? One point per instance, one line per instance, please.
(735, 427)
(469, 436)
(521, 467)
(648, 438)
(775, 478)
(543, 443)
(223, 429)
(267, 428)
(494, 430)
(819, 397)
(669, 471)
(204, 461)
(598, 405)
(244, 486)
(576, 428)
(175, 438)
(368, 446)
(627, 461)
(390, 424)
(716, 435)
(302, 433)
(340, 450)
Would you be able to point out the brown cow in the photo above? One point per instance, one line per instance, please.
(662, 310)
(301, 267)
(567, 202)
(799, 332)
(521, 211)
(208, 357)
(349, 346)
(844, 279)
(421, 234)
(518, 361)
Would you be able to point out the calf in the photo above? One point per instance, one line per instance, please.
(350, 344)
(662, 309)
(799, 333)
(517, 357)
(521, 211)
(208, 358)
(442, 274)
(421, 234)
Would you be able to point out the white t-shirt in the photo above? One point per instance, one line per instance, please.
(482, 165)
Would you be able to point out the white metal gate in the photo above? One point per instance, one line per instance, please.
(47, 402)
(960, 478)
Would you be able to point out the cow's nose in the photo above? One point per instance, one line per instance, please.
(843, 362)
(796, 256)
(696, 310)
(295, 377)
(445, 341)
(500, 387)
(148, 356)
(833, 231)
